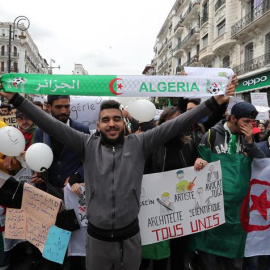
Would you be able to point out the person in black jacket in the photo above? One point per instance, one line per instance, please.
(179, 152)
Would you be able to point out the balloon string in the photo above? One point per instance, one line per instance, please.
(44, 176)
(13, 196)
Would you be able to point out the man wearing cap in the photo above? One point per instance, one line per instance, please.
(232, 140)
(235, 135)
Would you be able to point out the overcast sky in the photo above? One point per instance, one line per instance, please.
(106, 37)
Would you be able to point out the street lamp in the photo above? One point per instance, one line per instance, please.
(51, 67)
(22, 27)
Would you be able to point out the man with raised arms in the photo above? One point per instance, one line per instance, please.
(113, 171)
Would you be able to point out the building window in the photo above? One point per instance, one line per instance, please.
(205, 41)
(249, 52)
(198, 49)
(221, 27)
(2, 66)
(205, 12)
(179, 61)
(226, 61)
(188, 57)
(3, 50)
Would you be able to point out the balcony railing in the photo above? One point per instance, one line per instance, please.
(12, 54)
(179, 24)
(191, 6)
(177, 47)
(258, 12)
(5, 70)
(204, 19)
(162, 63)
(219, 3)
(162, 47)
(254, 64)
(28, 58)
(193, 59)
(188, 36)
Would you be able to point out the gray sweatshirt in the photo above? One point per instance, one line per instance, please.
(113, 174)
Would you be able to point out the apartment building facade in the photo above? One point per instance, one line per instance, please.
(217, 33)
(79, 70)
(24, 54)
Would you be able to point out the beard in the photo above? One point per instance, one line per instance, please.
(62, 117)
(118, 140)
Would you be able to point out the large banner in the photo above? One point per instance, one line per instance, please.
(181, 202)
(116, 85)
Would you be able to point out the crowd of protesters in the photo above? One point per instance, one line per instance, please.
(170, 143)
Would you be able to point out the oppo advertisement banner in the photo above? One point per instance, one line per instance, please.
(254, 82)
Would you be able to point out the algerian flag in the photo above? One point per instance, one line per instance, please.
(229, 239)
(259, 202)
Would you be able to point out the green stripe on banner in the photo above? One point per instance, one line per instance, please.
(115, 85)
(58, 84)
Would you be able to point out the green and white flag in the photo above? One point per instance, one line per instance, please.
(115, 85)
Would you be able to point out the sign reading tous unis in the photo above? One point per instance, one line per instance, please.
(183, 202)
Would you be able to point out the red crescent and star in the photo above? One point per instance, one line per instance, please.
(119, 86)
(259, 203)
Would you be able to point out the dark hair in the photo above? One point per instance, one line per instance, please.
(167, 113)
(6, 106)
(194, 101)
(109, 104)
(38, 103)
(52, 98)
(147, 125)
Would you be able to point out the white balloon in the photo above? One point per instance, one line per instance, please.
(142, 110)
(38, 156)
(12, 141)
(125, 101)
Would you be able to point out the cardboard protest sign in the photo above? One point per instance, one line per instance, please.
(32, 222)
(10, 120)
(182, 202)
(56, 244)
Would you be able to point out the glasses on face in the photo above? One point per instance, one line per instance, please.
(62, 106)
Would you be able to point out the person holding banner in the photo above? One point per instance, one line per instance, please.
(231, 142)
(179, 152)
(113, 170)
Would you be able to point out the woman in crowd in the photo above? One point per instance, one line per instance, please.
(179, 152)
